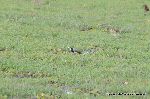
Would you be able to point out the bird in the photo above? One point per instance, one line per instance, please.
(74, 50)
(146, 8)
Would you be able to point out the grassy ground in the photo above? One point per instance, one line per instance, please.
(35, 61)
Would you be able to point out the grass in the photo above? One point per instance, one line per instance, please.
(35, 61)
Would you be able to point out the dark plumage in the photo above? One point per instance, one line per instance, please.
(146, 8)
(73, 50)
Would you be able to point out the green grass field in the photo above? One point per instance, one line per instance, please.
(35, 62)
